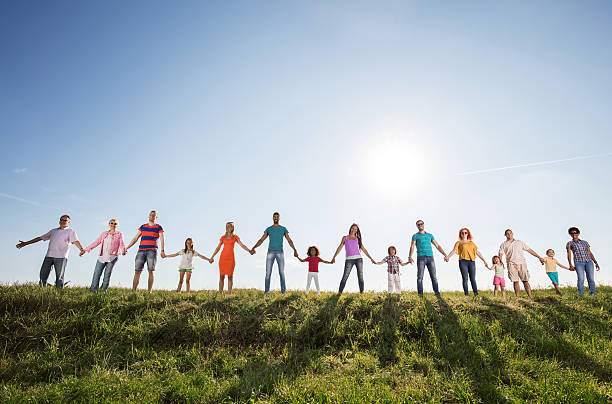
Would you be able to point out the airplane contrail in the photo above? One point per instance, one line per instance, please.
(539, 163)
(16, 198)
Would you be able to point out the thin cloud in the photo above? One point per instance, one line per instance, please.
(16, 198)
(20, 171)
(539, 163)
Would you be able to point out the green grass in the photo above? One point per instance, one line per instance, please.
(71, 345)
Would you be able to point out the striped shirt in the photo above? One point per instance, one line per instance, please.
(580, 249)
(149, 236)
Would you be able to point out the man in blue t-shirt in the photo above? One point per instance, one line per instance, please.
(276, 232)
(423, 241)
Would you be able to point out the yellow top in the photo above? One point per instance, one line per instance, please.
(550, 264)
(466, 250)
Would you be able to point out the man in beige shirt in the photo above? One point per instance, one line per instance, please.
(517, 266)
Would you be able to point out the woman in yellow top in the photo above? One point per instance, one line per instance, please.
(467, 252)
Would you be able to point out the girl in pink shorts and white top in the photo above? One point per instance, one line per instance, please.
(498, 279)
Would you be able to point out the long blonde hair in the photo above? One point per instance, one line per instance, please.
(231, 234)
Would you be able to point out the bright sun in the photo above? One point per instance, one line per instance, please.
(394, 166)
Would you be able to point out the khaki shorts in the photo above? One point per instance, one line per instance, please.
(518, 272)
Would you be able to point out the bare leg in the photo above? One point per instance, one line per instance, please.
(136, 280)
(503, 290)
(180, 285)
(230, 283)
(527, 288)
(221, 282)
(557, 289)
(151, 279)
(517, 289)
(187, 282)
(495, 290)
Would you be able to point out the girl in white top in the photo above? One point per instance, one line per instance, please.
(186, 265)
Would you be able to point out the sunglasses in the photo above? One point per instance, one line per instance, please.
(113, 223)
(420, 224)
(464, 232)
(574, 232)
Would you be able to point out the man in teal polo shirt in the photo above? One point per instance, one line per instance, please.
(276, 232)
(423, 241)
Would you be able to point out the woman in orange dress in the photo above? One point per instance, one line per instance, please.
(227, 261)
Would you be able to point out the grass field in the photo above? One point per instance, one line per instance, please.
(71, 345)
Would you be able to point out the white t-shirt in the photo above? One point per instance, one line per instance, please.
(187, 259)
(59, 241)
(514, 251)
(105, 255)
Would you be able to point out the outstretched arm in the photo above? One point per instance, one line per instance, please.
(438, 247)
(171, 255)
(261, 240)
(216, 250)
(22, 244)
(450, 254)
(291, 243)
(161, 241)
(535, 254)
(367, 254)
(326, 262)
(243, 246)
(302, 260)
(410, 260)
(338, 249)
(134, 240)
(593, 258)
(481, 257)
(561, 265)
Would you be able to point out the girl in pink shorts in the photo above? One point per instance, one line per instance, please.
(498, 279)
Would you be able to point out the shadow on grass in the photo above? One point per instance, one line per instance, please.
(453, 344)
(545, 339)
(260, 375)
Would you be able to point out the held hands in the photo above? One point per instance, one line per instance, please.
(597, 267)
(125, 251)
(410, 260)
(211, 260)
(82, 253)
(373, 262)
(446, 258)
(542, 261)
(572, 268)
(252, 251)
(295, 254)
(163, 254)
(333, 261)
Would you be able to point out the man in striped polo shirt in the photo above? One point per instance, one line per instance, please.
(147, 251)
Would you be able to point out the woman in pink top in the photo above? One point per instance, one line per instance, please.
(352, 244)
(112, 246)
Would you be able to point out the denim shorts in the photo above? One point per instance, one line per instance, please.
(150, 256)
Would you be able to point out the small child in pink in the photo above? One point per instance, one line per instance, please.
(313, 260)
(498, 279)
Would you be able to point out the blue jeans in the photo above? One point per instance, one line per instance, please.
(589, 269)
(107, 267)
(60, 268)
(348, 266)
(468, 268)
(422, 262)
(150, 256)
(279, 256)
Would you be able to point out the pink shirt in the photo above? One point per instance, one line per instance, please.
(117, 246)
(313, 263)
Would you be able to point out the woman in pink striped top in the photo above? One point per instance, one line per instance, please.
(112, 246)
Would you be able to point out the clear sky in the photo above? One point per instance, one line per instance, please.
(328, 112)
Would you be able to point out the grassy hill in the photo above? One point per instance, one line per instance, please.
(164, 347)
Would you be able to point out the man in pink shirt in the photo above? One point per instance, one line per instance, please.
(60, 240)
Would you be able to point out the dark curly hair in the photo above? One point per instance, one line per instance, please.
(573, 229)
(316, 251)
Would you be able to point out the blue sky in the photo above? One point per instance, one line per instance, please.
(329, 112)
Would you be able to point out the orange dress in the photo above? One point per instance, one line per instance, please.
(227, 261)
